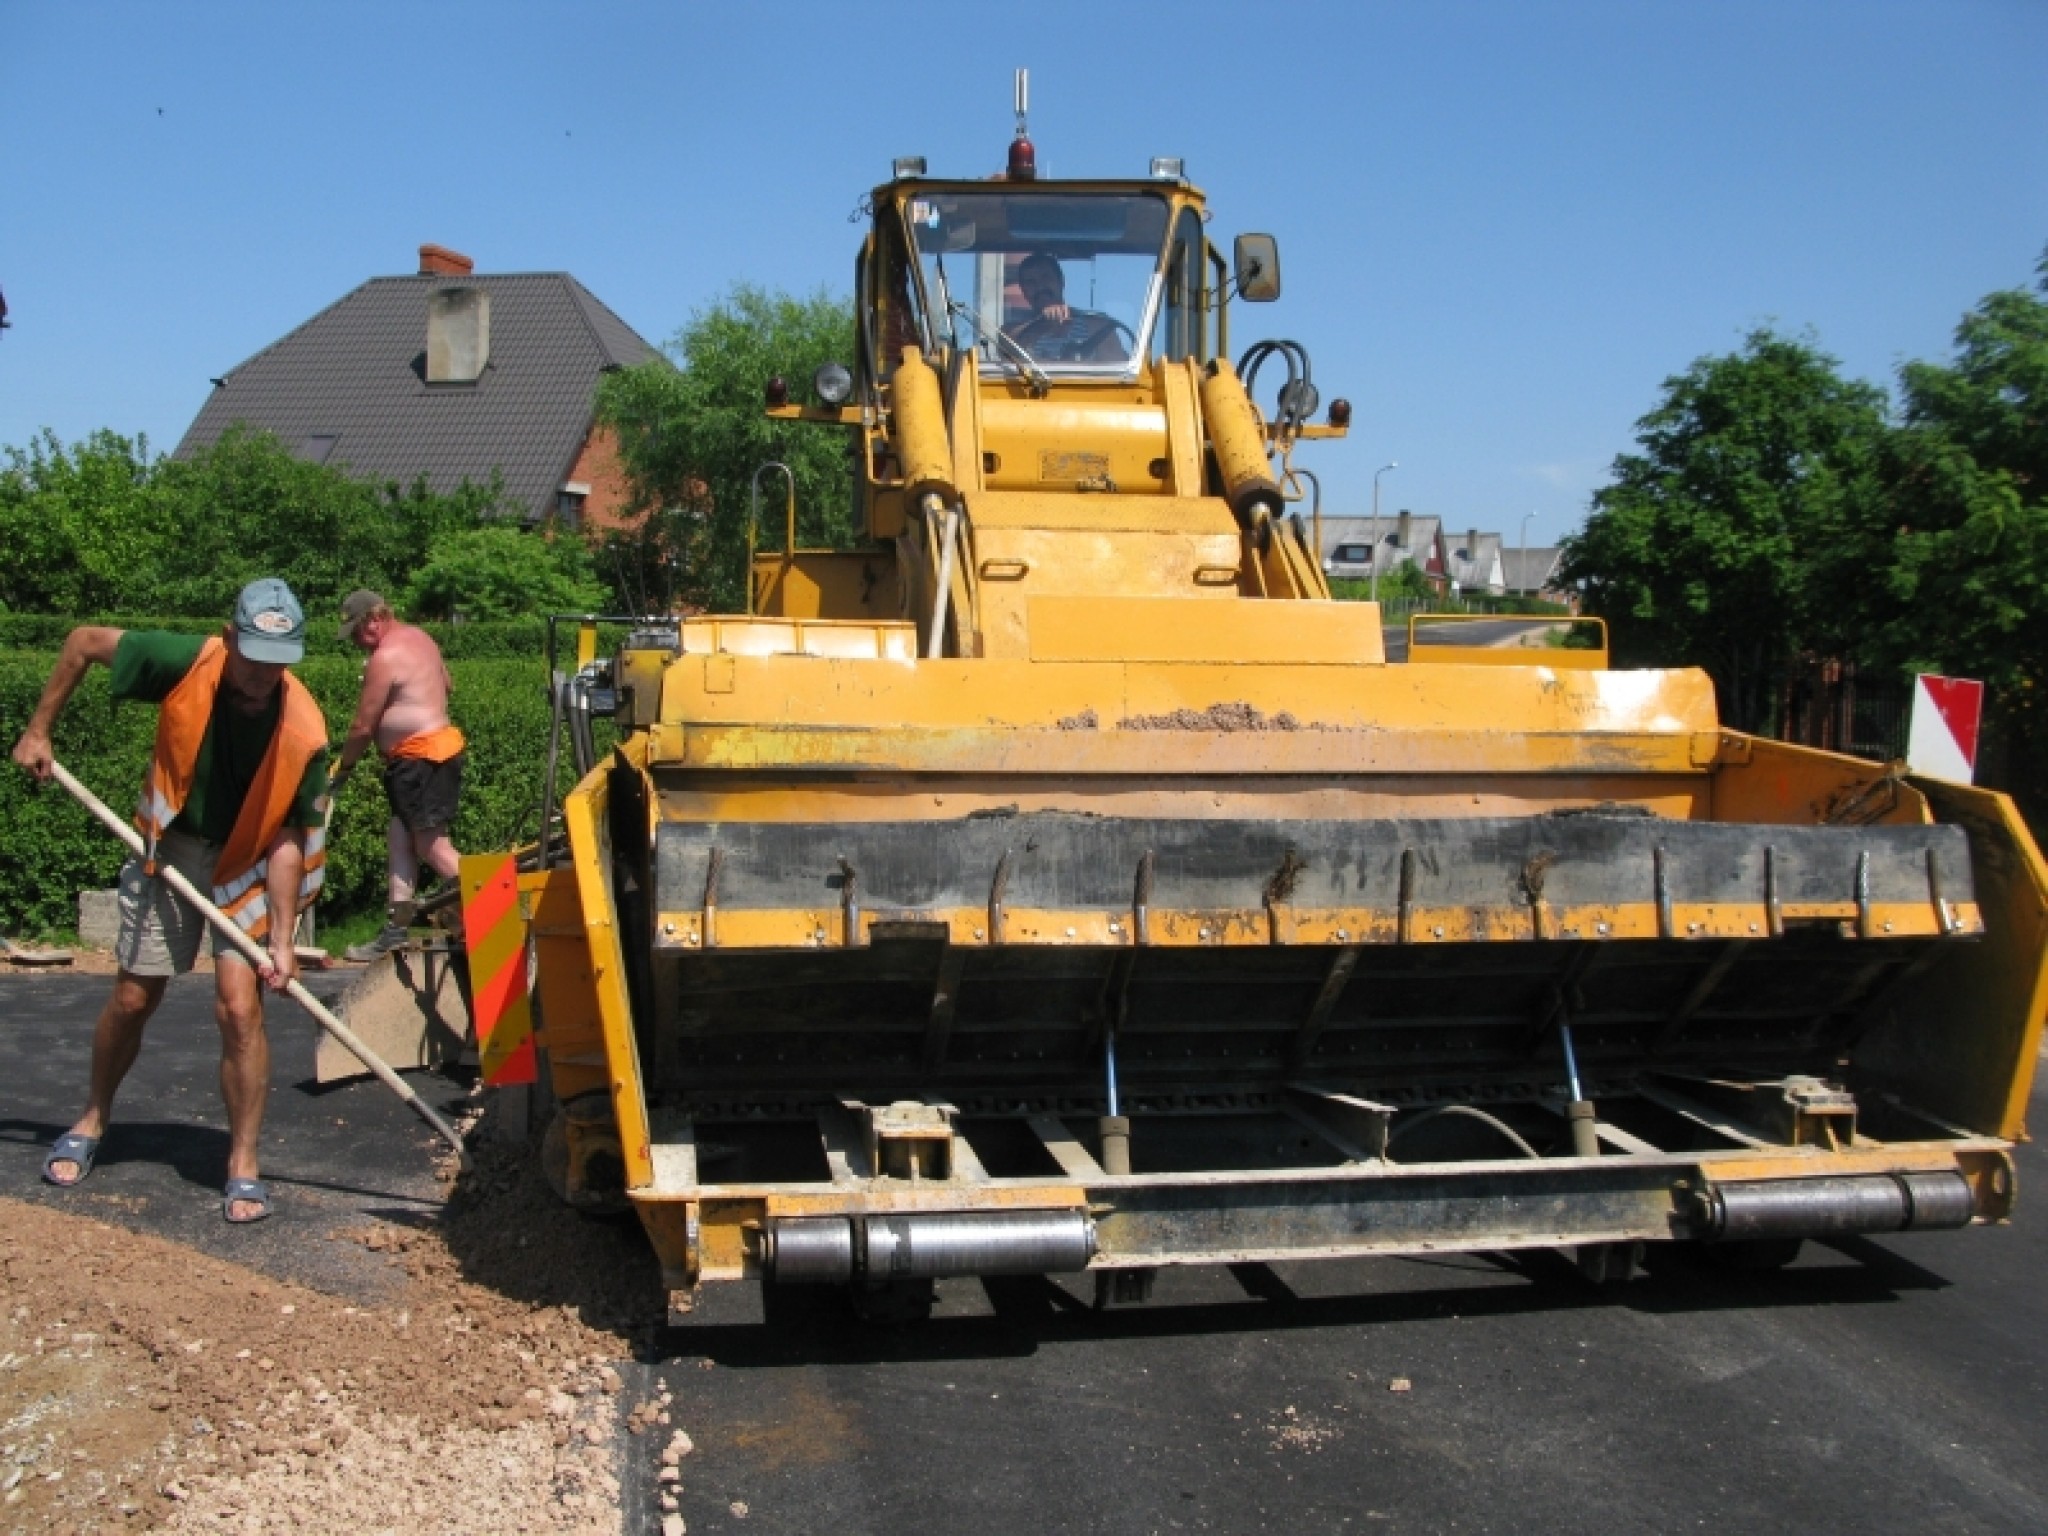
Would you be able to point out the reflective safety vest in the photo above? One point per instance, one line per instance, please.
(242, 870)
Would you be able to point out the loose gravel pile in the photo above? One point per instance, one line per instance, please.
(142, 1384)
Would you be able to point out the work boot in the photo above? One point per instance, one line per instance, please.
(393, 937)
(397, 918)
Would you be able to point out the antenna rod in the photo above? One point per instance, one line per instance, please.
(1023, 101)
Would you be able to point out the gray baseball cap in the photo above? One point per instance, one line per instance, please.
(269, 623)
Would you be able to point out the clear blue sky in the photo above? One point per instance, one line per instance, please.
(1502, 226)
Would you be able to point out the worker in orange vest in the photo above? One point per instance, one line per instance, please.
(235, 800)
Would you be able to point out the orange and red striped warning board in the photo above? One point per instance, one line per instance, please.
(495, 934)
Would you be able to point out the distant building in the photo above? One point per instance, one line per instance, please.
(1352, 546)
(1472, 561)
(451, 374)
(1531, 572)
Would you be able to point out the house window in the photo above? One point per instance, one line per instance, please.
(569, 503)
(318, 447)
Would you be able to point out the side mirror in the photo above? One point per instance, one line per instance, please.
(1256, 264)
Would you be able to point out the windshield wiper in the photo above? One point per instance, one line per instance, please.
(1041, 383)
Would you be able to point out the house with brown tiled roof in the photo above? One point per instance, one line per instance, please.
(451, 374)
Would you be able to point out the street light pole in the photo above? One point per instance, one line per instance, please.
(1375, 592)
(1523, 573)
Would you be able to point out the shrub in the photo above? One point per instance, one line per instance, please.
(50, 849)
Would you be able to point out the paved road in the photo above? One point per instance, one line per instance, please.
(335, 1158)
(1876, 1386)
(1483, 633)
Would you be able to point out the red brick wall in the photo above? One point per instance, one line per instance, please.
(597, 466)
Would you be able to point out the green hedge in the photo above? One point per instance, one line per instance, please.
(50, 849)
(507, 639)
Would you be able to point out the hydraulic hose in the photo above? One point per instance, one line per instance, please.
(1469, 1113)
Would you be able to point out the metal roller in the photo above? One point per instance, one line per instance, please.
(826, 1249)
(817, 1250)
(1838, 1207)
(1940, 1201)
(981, 1243)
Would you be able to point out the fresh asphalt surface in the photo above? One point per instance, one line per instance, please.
(1876, 1386)
(1478, 633)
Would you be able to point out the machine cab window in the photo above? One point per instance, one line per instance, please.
(1041, 284)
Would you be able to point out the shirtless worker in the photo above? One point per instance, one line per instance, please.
(404, 710)
(233, 799)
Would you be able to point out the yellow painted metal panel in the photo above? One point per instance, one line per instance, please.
(1508, 656)
(849, 639)
(1512, 922)
(1660, 710)
(1142, 629)
(803, 797)
(1178, 383)
(570, 1030)
(1965, 1043)
(1105, 514)
(1149, 752)
(831, 584)
(584, 811)
(1075, 444)
(1776, 782)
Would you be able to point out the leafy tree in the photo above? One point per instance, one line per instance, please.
(1948, 570)
(77, 523)
(692, 435)
(504, 572)
(1700, 549)
(247, 507)
(103, 528)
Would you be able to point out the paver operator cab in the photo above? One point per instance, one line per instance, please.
(1063, 882)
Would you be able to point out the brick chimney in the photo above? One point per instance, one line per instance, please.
(439, 261)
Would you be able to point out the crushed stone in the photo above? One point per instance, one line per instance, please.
(146, 1386)
(1237, 716)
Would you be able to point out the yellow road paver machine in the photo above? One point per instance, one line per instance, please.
(1064, 883)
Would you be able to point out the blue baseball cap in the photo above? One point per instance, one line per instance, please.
(269, 623)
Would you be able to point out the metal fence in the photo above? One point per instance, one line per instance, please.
(1829, 704)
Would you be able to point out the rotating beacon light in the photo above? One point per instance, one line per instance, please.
(1023, 157)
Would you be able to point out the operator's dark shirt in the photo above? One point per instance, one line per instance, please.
(148, 664)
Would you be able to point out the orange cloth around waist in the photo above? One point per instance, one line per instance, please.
(436, 746)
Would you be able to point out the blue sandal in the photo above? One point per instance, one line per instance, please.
(71, 1147)
(251, 1191)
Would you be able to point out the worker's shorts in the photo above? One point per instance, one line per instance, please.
(423, 795)
(160, 933)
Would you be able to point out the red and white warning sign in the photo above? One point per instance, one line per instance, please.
(1943, 740)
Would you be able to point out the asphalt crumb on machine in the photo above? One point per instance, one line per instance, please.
(144, 1386)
